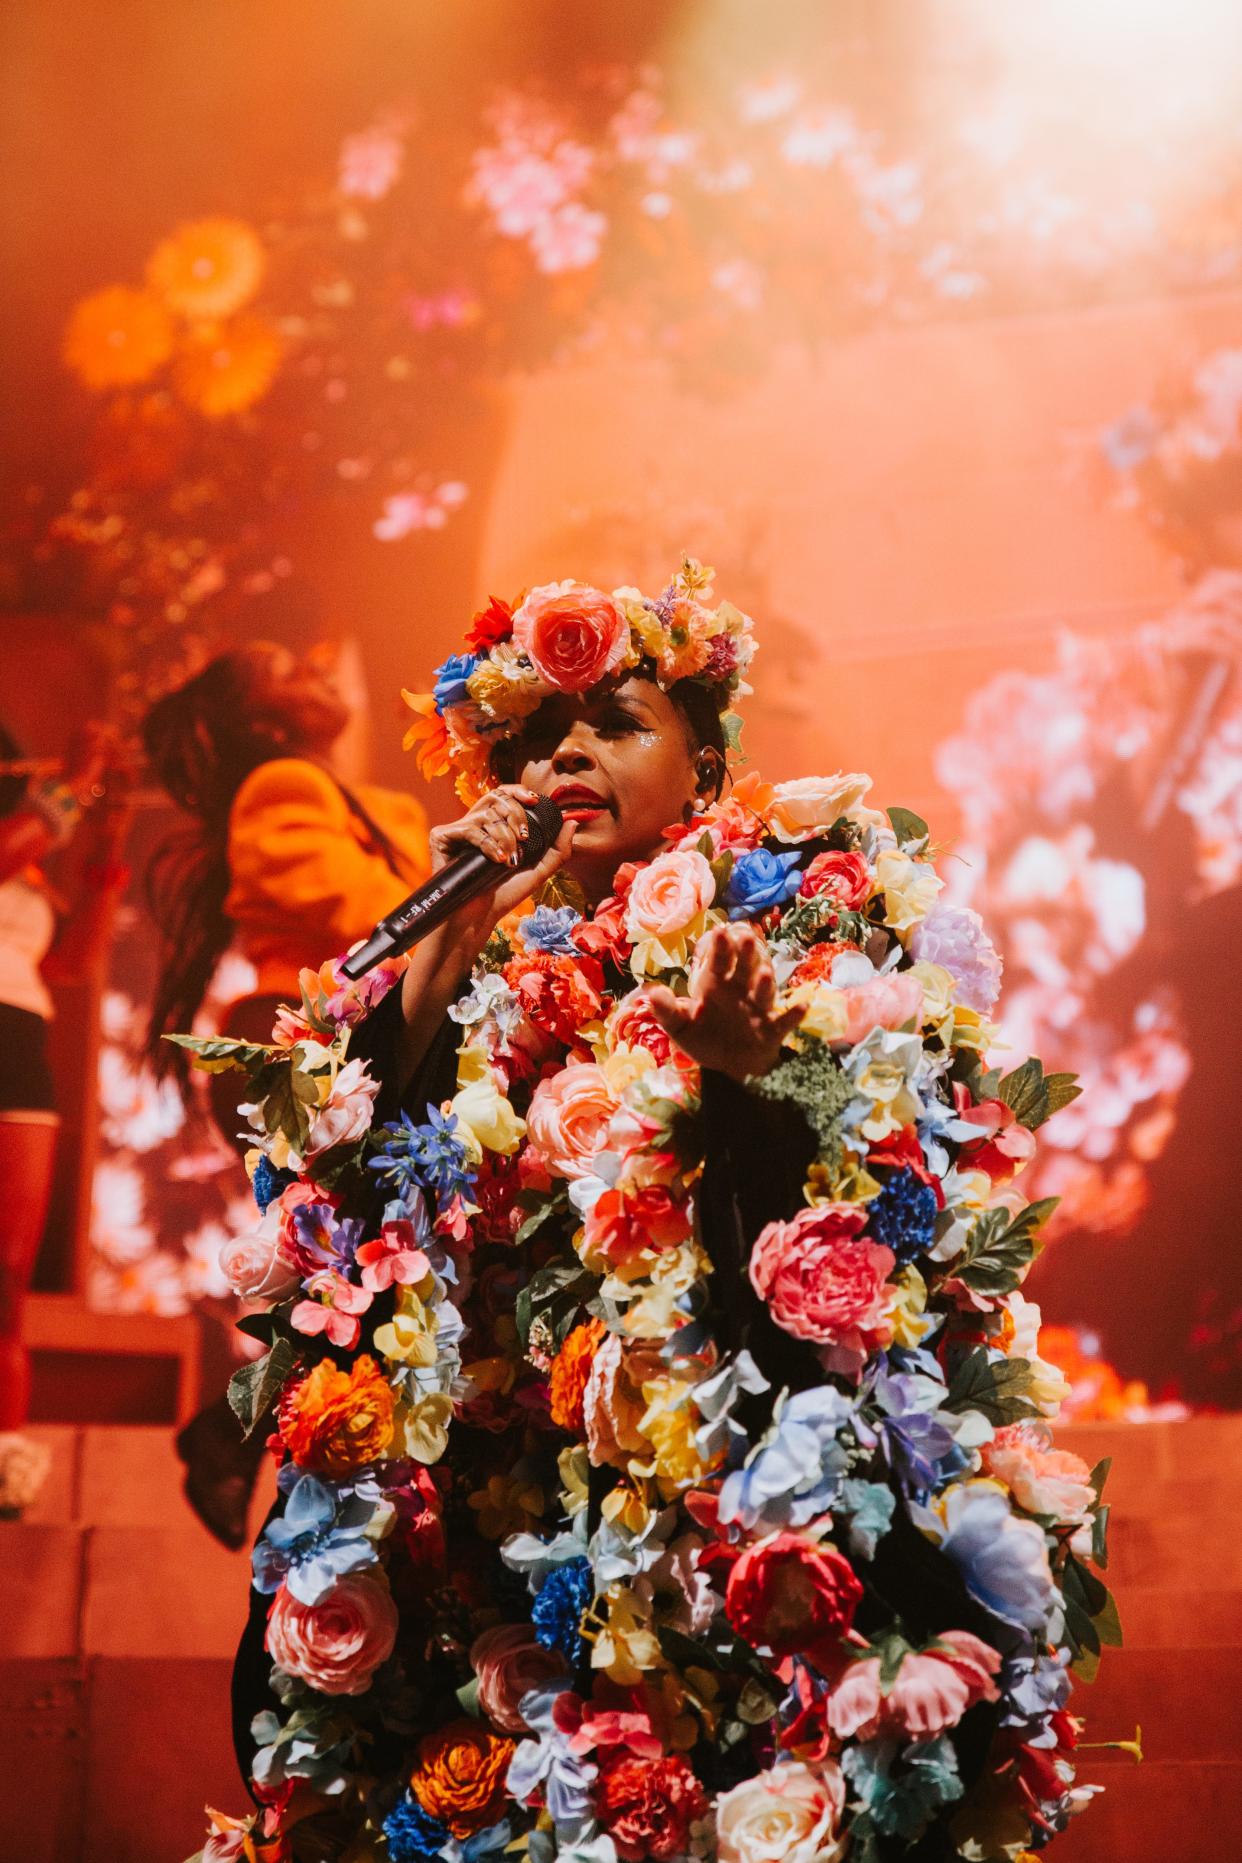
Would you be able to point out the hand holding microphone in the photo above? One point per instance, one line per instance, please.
(506, 846)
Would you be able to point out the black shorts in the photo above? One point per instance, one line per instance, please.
(25, 1077)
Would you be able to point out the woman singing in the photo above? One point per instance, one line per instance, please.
(647, 1364)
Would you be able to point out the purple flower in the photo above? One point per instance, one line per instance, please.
(954, 937)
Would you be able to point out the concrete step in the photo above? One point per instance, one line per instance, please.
(1190, 1449)
(1167, 1552)
(1162, 1618)
(1159, 1812)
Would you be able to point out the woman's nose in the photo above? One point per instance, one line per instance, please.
(573, 753)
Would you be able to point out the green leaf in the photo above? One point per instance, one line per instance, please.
(997, 1391)
(468, 1697)
(561, 889)
(539, 1208)
(254, 1388)
(1086, 1665)
(731, 726)
(1099, 1475)
(284, 1110)
(1033, 1096)
(1099, 1537)
(911, 830)
(1108, 1624)
(215, 1054)
(721, 870)
(1079, 1583)
(999, 1250)
(259, 1326)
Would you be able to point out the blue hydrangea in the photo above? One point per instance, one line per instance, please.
(547, 928)
(314, 1542)
(557, 1611)
(759, 880)
(903, 1216)
(267, 1183)
(413, 1836)
(427, 1157)
(450, 686)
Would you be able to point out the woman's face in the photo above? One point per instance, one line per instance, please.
(298, 698)
(620, 764)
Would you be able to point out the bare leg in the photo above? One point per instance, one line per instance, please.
(27, 1152)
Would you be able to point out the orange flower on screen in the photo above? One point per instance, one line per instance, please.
(571, 1368)
(225, 368)
(117, 337)
(207, 268)
(338, 1420)
(460, 1776)
(428, 736)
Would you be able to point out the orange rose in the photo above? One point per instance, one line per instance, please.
(570, 1370)
(460, 1776)
(573, 635)
(568, 1118)
(336, 1420)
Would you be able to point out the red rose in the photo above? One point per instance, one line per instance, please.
(647, 1807)
(558, 993)
(825, 1283)
(840, 876)
(603, 934)
(573, 635)
(490, 626)
(789, 1594)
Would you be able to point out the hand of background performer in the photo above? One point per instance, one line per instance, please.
(729, 1020)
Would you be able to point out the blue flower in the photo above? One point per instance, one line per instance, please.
(450, 686)
(759, 880)
(427, 1157)
(310, 1546)
(903, 1216)
(267, 1183)
(413, 1836)
(902, 1789)
(1003, 1560)
(795, 1473)
(557, 1611)
(901, 1414)
(547, 928)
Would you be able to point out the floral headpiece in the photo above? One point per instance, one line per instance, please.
(569, 637)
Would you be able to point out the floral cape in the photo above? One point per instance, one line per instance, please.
(556, 1575)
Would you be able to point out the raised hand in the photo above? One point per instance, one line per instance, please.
(729, 1020)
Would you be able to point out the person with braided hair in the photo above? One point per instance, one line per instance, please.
(280, 862)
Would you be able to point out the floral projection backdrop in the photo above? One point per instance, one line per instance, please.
(317, 349)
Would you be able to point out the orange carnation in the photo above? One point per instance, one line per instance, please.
(567, 1380)
(208, 268)
(460, 1777)
(117, 337)
(337, 1421)
(225, 368)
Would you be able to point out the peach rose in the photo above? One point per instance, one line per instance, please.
(336, 1645)
(255, 1263)
(573, 635)
(887, 1002)
(568, 1119)
(668, 894)
(509, 1661)
(789, 1814)
(1053, 1482)
(613, 1404)
(800, 810)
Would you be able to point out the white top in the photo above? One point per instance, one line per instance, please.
(27, 927)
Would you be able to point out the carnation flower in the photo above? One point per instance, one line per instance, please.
(559, 1604)
(789, 1593)
(571, 1369)
(460, 1776)
(903, 1217)
(337, 1644)
(558, 993)
(118, 337)
(954, 938)
(647, 1807)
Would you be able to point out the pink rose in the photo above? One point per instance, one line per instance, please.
(887, 1002)
(336, 1645)
(568, 1119)
(840, 876)
(509, 1661)
(824, 1282)
(668, 894)
(573, 635)
(345, 1116)
(1047, 1481)
(256, 1264)
(632, 1025)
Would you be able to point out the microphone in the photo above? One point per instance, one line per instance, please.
(468, 873)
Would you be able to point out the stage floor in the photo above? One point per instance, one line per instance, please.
(120, 1616)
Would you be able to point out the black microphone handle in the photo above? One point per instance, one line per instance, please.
(467, 874)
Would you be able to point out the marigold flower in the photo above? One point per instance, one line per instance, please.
(571, 1369)
(339, 1420)
(117, 337)
(207, 268)
(460, 1776)
(225, 368)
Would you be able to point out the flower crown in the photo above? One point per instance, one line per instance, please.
(569, 637)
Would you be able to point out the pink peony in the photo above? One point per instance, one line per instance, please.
(930, 1693)
(509, 1661)
(573, 635)
(336, 1645)
(568, 1119)
(1052, 1482)
(955, 938)
(824, 1282)
(668, 894)
(887, 1002)
(256, 1264)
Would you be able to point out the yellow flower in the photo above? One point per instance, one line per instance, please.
(117, 337)
(669, 1424)
(911, 1321)
(893, 1103)
(573, 1468)
(506, 683)
(507, 1505)
(485, 1119)
(909, 887)
(420, 1429)
(824, 1010)
(225, 368)
(969, 1029)
(208, 268)
(409, 1338)
(693, 578)
(656, 1312)
(626, 1647)
(938, 985)
(625, 1507)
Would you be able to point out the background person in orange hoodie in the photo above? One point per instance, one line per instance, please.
(280, 862)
